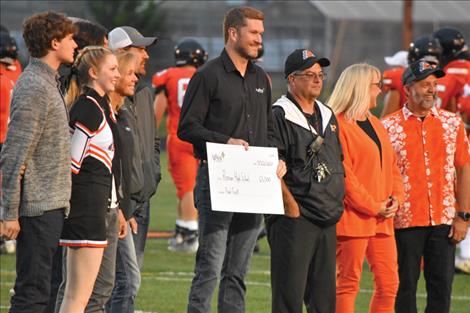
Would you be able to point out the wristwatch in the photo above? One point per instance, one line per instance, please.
(464, 215)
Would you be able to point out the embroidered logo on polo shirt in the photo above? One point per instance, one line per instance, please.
(259, 90)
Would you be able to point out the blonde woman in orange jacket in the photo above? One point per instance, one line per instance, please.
(374, 188)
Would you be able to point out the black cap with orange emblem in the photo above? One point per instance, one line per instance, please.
(419, 70)
(302, 59)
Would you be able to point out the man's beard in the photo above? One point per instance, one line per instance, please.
(243, 53)
(425, 104)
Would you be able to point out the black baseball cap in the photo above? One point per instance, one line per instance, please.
(302, 59)
(419, 70)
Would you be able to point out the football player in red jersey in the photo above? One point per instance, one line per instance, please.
(455, 61)
(10, 70)
(170, 86)
(392, 86)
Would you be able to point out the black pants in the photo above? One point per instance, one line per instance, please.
(431, 243)
(56, 279)
(36, 245)
(303, 264)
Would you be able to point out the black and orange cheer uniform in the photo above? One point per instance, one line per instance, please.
(92, 124)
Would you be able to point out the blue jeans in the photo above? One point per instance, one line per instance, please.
(142, 216)
(226, 242)
(104, 283)
(127, 281)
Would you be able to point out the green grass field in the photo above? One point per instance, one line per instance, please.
(167, 276)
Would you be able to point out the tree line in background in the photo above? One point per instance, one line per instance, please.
(145, 16)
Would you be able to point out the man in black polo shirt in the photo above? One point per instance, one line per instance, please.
(303, 241)
(227, 101)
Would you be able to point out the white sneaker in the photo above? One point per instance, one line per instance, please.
(188, 246)
(10, 246)
(185, 240)
(462, 266)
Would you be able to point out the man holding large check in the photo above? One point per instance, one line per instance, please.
(228, 101)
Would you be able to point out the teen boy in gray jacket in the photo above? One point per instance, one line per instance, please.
(33, 204)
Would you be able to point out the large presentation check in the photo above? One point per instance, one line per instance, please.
(244, 181)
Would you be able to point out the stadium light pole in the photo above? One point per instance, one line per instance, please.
(407, 23)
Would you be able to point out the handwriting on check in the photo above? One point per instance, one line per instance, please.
(241, 177)
(263, 163)
(244, 180)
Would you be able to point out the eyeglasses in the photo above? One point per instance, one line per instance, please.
(312, 76)
(380, 84)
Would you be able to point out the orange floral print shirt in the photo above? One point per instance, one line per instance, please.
(428, 151)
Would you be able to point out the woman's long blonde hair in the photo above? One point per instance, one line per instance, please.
(351, 95)
(125, 60)
(89, 57)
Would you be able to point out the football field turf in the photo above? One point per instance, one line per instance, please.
(166, 276)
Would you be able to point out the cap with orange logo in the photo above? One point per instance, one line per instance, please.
(302, 59)
(419, 70)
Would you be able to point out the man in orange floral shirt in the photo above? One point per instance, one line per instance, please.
(434, 159)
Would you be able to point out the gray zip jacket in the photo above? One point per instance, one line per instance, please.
(146, 160)
(38, 137)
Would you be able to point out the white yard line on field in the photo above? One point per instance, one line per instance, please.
(187, 277)
(5, 307)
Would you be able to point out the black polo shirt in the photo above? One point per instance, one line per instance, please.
(220, 103)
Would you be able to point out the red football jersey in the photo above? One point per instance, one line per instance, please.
(447, 88)
(460, 69)
(175, 81)
(392, 81)
(8, 77)
(13, 71)
(464, 103)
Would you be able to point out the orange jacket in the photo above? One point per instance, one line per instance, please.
(368, 182)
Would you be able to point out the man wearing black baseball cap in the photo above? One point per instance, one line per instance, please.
(302, 59)
(434, 159)
(420, 70)
(303, 241)
(145, 170)
(421, 73)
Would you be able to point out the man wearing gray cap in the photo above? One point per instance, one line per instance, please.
(145, 171)
(303, 241)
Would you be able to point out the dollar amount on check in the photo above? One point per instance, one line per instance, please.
(244, 181)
